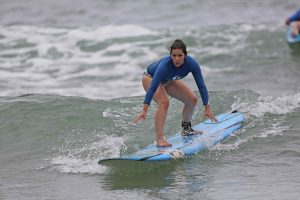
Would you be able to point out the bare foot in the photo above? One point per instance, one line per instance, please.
(163, 143)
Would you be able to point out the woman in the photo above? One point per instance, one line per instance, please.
(295, 20)
(162, 78)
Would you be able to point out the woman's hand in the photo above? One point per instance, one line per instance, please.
(209, 114)
(142, 115)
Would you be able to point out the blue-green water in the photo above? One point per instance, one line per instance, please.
(70, 85)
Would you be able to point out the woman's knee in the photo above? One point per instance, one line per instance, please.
(164, 103)
(194, 100)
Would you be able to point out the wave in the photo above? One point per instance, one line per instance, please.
(270, 105)
(107, 62)
(73, 133)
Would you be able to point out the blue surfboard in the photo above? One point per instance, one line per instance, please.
(291, 39)
(185, 146)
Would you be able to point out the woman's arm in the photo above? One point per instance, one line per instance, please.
(196, 71)
(294, 17)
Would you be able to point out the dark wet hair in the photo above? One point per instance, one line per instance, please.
(178, 44)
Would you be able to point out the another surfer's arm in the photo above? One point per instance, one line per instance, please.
(196, 71)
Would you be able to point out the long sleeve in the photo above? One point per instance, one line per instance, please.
(196, 71)
(157, 78)
(295, 16)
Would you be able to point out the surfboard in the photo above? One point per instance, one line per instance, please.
(290, 39)
(186, 146)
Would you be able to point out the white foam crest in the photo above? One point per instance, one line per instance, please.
(42, 59)
(85, 159)
(67, 164)
(109, 32)
(65, 40)
(268, 104)
(43, 38)
(25, 76)
(20, 52)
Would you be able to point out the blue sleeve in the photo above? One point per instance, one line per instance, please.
(196, 71)
(295, 16)
(156, 80)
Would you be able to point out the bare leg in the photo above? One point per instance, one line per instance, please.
(179, 90)
(295, 28)
(160, 121)
(161, 98)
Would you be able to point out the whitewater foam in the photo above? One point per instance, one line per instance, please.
(84, 158)
(267, 104)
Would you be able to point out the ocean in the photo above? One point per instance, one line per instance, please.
(70, 86)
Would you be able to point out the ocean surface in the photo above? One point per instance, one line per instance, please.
(70, 86)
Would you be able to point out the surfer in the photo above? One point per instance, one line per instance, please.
(295, 20)
(162, 78)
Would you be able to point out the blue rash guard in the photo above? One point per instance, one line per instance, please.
(295, 16)
(164, 70)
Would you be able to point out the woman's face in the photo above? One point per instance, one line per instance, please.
(177, 57)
